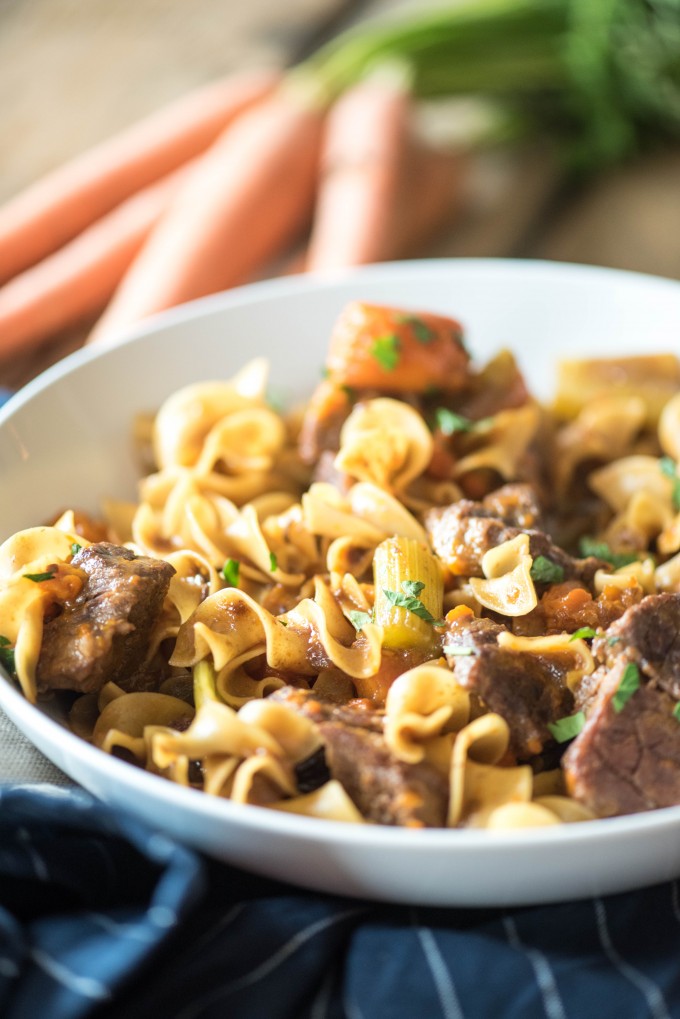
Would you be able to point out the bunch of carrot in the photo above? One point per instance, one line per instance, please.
(216, 189)
(208, 194)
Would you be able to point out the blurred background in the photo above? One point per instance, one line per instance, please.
(72, 72)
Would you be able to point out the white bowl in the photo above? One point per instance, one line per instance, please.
(65, 440)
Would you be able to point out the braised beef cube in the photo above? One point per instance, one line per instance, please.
(626, 761)
(461, 534)
(649, 635)
(103, 635)
(516, 504)
(384, 789)
(529, 691)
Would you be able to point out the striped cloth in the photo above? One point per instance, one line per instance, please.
(102, 917)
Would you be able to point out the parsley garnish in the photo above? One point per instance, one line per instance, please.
(546, 571)
(37, 577)
(273, 562)
(668, 467)
(230, 572)
(566, 728)
(583, 632)
(75, 548)
(676, 711)
(386, 350)
(409, 599)
(7, 654)
(359, 619)
(449, 422)
(601, 550)
(421, 330)
(630, 681)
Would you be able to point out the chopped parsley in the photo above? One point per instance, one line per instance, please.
(75, 548)
(566, 728)
(386, 351)
(676, 711)
(420, 329)
(668, 467)
(230, 572)
(449, 422)
(583, 633)
(629, 683)
(601, 550)
(7, 654)
(273, 562)
(38, 577)
(359, 619)
(409, 600)
(546, 571)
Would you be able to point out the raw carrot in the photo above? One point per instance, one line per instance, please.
(74, 284)
(430, 195)
(365, 142)
(374, 347)
(244, 203)
(56, 208)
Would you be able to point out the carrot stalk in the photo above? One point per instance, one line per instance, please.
(57, 207)
(244, 203)
(74, 284)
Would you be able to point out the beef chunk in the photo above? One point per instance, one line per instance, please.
(104, 633)
(384, 789)
(627, 761)
(515, 504)
(527, 690)
(649, 635)
(462, 533)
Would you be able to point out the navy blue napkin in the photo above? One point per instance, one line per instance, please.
(103, 917)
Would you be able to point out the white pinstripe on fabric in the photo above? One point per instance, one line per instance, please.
(441, 975)
(552, 1002)
(651, 991)
(268, 965)
(86, 987)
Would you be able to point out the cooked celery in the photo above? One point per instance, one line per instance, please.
(409, 592)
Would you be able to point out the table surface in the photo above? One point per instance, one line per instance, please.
(72, 73)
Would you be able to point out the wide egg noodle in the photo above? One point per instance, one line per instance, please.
(236, 687)
(386, 442)
(507, 586)
(602, 431)
(186, 418)
(419, 705)
(231, 622)
(502, 444)
(478, 784)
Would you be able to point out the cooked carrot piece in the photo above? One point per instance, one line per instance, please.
(375, 347)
